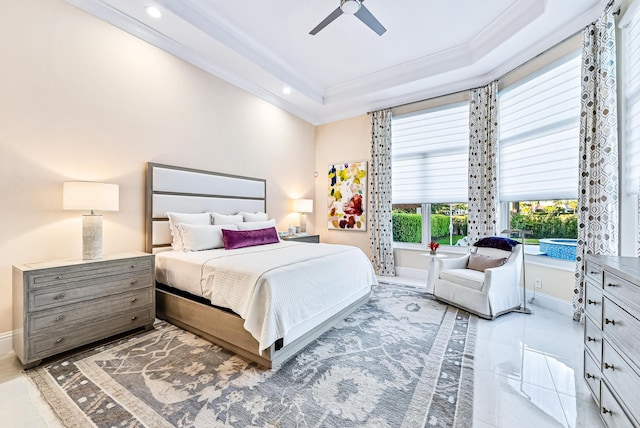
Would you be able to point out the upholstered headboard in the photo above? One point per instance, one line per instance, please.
(186, 190)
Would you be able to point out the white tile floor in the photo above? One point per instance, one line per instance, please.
(528, 373)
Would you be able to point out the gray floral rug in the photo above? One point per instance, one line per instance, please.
(402, 360)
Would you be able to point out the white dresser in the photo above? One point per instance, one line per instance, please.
(60, 305)
(612, 337)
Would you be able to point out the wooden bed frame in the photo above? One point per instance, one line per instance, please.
(171, 188)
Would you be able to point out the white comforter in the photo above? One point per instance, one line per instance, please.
(277, 287)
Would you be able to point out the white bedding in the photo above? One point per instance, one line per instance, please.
(276, 288)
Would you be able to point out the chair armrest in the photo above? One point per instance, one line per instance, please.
(501, 278)
(457, 263)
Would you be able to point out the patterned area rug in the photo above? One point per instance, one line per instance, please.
(402, 360)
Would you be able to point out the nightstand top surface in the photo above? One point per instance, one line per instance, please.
(77, 261)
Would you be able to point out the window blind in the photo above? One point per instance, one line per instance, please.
(430, 155)
(632, 95)
(539, 134)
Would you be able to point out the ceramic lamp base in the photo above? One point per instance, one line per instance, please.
(91, 237)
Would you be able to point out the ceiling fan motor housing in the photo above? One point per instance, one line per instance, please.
(350, 6)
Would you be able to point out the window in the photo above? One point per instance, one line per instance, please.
(430, 156)
(539, 119)
(632, 100)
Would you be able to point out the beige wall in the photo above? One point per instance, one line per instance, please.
(82, 100)
(343, 141)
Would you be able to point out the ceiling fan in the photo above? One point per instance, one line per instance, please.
(352, 7)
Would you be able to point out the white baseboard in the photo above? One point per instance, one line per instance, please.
(549, 302)
(412, 273)
(6, 342)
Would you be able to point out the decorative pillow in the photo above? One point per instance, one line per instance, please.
(226, 219)
(247, 238)
(498, 242)
(254, 216)
(198, 237)
(480, 263)
(185, 218)
(253, 225)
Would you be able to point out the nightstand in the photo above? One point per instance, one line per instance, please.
(61, 305)
(302, 238)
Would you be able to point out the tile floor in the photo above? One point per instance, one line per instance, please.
(528, 373)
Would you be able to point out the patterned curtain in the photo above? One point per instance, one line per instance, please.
(483, 163)
(598, 182)
(380, 226)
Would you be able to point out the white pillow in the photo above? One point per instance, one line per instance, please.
(254, 216)
(226, 219)
(198, 237)
(188, 218)
(253, 225)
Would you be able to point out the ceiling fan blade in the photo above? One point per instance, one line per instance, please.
(365, 16)
(328, 20)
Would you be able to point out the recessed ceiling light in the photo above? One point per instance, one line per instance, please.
(153, 11)
(286, 90)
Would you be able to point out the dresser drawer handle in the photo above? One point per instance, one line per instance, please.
(58, 296)
(610, 284)
(59, 277)
(135, 299)
(608, 321)
(590, 376)
(133, 318)
(133, 266)
(133, 281)
(605, 410)
(593, 272)
(591, 339)
(609, 366)
(59, 318)
(592, 302)
(59, 340)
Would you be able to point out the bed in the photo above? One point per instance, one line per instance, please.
(263, 302)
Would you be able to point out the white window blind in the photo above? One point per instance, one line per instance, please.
(539, 119)
(632, 95)
(430, 151)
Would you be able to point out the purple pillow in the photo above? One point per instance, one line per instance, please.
(248, 238)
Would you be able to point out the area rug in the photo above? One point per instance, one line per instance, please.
(402, 360)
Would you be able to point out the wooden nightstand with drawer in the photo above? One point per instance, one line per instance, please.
(61, 305)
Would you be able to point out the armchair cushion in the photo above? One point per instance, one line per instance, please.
(465, 277)
(480, 263)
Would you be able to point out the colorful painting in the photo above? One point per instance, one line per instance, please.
(347, 196)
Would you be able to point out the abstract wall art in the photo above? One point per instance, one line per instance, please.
(347, 195)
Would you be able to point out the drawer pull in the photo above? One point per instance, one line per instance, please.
(59, 277)
(133, 281)
(134, 299)
(590, 376)
(591, 339)
(593, 272)
(609, 366)
(59, 340)
(605, 410)
(133, 266)
(610, 284)
(133, 318)
(58, 296)
(592, 302)
(59, 318)
(608, 321)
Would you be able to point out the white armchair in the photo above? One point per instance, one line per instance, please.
(487, 294)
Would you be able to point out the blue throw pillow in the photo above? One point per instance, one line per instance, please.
(498, 242)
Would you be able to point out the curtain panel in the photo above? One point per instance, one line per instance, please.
(380, 223)
(598, 160)
(483, 163)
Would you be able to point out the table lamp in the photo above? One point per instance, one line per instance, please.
(303, 206)
(90, 196)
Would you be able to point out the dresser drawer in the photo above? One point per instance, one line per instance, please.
(87, 272)
(593, 302)
(592, 375)
(52, 297)
(89, 311)
(593, 273)
(621, 329)
(622, 379)
(593, 339)
(51, 344)
(611, 412)
(620, 290)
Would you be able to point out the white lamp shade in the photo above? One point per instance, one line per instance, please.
(303, 205)
(86, 195)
